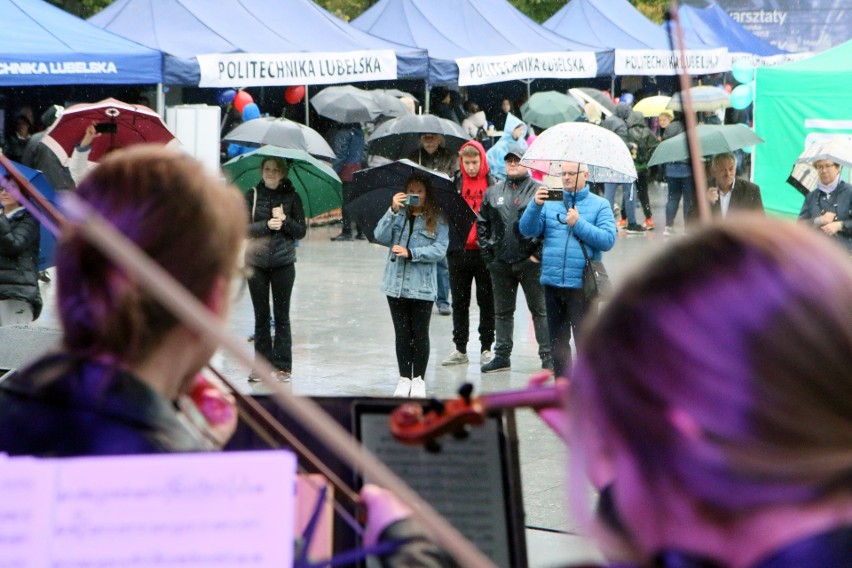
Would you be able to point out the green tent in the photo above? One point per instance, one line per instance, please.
(795, 105)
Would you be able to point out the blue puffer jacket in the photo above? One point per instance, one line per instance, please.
(416, 277)
(562, 260)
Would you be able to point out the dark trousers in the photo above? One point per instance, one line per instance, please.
(505, 278)
(467, 267)
(679, 186)
(346, 228)
(566, 308)
(642, 191)
(411, 327)
(280, 281)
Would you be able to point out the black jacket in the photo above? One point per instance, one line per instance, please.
(62, 406)
(267, 248)
(497, 223)
(839, 201)
(19, 242)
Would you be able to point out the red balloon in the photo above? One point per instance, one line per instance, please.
(728, 87)
(294, 94)
(241, 99)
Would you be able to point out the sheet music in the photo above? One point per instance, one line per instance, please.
(25, 504)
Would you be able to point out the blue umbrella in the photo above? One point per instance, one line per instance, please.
(48, 240)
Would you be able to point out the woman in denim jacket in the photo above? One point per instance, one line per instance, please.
(418, 236)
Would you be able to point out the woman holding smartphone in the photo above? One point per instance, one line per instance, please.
(276, 221)
(418, 237)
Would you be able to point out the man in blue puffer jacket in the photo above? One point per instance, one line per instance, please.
(579, 216)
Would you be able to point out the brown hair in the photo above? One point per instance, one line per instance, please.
(469, 151)
(746, 329)
(181, 216)
(429, 206)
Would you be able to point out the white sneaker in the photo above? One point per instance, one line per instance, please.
(485, 357)
(418, 388)
(403, 387)
(455, 358)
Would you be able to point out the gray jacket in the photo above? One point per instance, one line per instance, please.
(497, 223)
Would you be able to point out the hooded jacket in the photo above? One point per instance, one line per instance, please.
(473, 188)
(641, 140)
(19, 244)
(497, 152)
(617, 122)
(269, 249)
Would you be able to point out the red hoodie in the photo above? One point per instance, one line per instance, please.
(473, 188)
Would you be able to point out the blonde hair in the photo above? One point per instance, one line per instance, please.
(182, 217)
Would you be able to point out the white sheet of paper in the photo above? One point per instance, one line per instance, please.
(26, 490)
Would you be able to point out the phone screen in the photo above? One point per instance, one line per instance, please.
(554, 195)
(106, 127)
(412, 199)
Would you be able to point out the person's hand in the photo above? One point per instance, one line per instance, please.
(826, 218)
(278, 213)
(572, 216)
(383, 509)
(713, 194)
(398, 201)
(540, 195)
(400, 251)
(556, 417)
(832, 228)
(275, 224)
(90, 134)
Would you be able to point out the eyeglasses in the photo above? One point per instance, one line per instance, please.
(570, 173)
(512, 160)
(826, 167)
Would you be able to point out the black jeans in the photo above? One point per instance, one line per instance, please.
(280, 351)
(411, 327)
(467, 267)
(346, 229)
(505, 278)
(566, 308)
(642, 191)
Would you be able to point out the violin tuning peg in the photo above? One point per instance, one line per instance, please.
(437, 406)
(432, 446)
(465, 391)
(461, 433)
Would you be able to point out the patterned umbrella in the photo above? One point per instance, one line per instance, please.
(548, 108)
(703, 99)
(713, 139)
(282, 133)
(652, 106)
(603, 151)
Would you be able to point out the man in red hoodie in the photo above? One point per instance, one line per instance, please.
(467, 266)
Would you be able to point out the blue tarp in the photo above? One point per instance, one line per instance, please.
(44, 45)
(713, 25)
(183, 29)
(450, 29)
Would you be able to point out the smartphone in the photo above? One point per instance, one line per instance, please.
(554, 195)
(412, 199)
(106, 128)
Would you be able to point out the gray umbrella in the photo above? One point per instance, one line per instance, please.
(399, 137)
(350, 104)
(282, 133)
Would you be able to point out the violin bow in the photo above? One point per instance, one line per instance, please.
(151, 277)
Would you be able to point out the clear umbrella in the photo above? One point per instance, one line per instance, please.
(836, 149)
(704, 98)
(603, 151)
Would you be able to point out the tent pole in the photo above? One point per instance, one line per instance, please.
(161, 100)
(425, 108)
(612, 86)
(307, 108)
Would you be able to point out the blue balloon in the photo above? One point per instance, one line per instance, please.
(743, 71)
(226, 97)
(742, 96)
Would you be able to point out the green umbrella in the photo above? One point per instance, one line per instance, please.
(714, 139)
(549, 108)
(315, 182)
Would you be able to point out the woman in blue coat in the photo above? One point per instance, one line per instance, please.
(418, 236)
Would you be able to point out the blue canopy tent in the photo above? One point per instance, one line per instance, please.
(44, 45)
(641, 46)
(713, 25)
(485, 41)
(185, 29)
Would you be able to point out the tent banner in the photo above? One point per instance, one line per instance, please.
(769, 60)
(278, 69)
(545, 65)
(664, 62)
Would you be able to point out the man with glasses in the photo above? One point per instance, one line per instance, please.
(578, 219)
(512, 260)
(829, 206)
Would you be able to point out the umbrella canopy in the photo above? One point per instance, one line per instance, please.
(350, 104)
(704, 98)
(652, 106)
(316, 183)
(47, 244)
(596, 97)
(374, 188)
(548, 108)
(282, 133)
(714, 139)
(399, 137)
(129, 124)
(837, 150)
(603, 151)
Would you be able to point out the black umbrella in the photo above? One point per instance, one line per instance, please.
(374, 188)
(399, 137)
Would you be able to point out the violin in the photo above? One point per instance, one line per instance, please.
(413, 425)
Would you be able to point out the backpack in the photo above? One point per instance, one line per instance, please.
(645, 143)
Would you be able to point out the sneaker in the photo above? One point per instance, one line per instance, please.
(254, 377)
(282, 376)
(621, 224)
(342, 237)
(634, 229)
(547, 363)
(455, 358)
(403, 387)
(361, 237)
(669, 231)
(43, 276)
(418, 388)
(485, 357)
(649, 224)
(497, 364)
(250, 338)
(445, 310)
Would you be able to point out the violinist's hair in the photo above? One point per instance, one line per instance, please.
(167, 204)
(745, 329)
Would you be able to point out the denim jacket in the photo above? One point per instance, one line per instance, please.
(416, 277)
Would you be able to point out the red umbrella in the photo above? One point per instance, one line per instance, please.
(120, 124)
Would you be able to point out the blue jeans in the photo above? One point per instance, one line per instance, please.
(443, 300)
(679, 186)
(629, 199)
